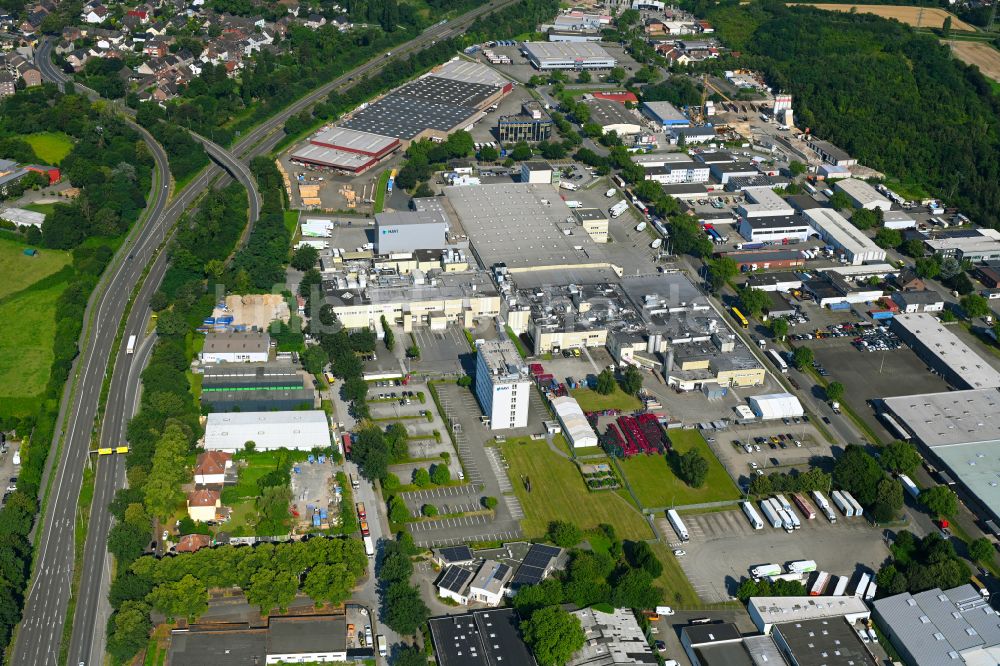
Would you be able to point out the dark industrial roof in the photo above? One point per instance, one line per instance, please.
(535, 563)
(405, 117)
(711, 633)
(823, 642)
(480, 638)
(296, 635)
(447, 91)
(218, 648)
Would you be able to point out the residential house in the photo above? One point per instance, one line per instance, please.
(210, 468)
(918, 301)
(31, 75)
(315, 21)
(95, 15)
(143, 14)
(202, 504)
(190, 543)
(155, 48)
(7, 86)
(907, 280)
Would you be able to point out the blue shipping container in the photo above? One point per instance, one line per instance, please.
(843, 305)
(885, 314)
(209, 320)
(226, 319)
(315, 520)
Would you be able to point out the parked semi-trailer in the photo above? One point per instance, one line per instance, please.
(763, 570)
(770, 513)
(752, 516)
(845, 507)
(859, 589)
(909, 486)
(618, 208)
(130, 347)
(786, 520)
(675, 520)
(804, 506)
(824, 506)
(819, 585)
(802, 566)
(848, 497)
(841, 586)
(787, 508)
(870, 592)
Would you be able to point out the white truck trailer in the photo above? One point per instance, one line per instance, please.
(909, 486)
(618, 209)
(819, 585)
(858, 511)
(802, 566)
(752, 515)
(763, 570)
(769, 512)
(845, 507)
(824, 506)
(675, 520)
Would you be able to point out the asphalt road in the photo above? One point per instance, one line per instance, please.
(41, 629)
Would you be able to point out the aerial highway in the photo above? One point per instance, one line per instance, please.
(41, 630)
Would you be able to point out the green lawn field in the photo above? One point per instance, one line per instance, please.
(43, 208)
(655, 484)
(20, 271)
(26, 348)
(558, 493)
(592, 401)
(51, 147)
(383, 182)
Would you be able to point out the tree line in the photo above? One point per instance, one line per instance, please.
(894, 98)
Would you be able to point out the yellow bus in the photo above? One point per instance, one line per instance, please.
(740, 318)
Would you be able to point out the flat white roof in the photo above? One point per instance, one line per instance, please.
(950, 418)
(331, 157)
(860, 191)
(567, 51)
(356, 140)
(988, 240)
(845, 234)
(664, 110)
(459, 69)
(948, 348)
(780, 610)
(268, 430)
(761, 201)
(22, 217)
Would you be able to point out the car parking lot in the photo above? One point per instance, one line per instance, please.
(773, 447)
(723, 547)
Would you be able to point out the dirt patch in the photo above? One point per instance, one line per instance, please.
(926, 17)
(254, 310)
(983, 56)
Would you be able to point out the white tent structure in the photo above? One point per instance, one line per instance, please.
(574, 423)
(775, 406)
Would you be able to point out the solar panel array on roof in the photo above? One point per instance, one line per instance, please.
(536, 561)
(454, 579)
(456, 554)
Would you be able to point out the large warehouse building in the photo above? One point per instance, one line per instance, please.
(301, 431)
(846, 238)
(961, 430)
(568, 55)
(346, 149)
(665, 114)
(409, 230)
(862, 194)
(945, 352)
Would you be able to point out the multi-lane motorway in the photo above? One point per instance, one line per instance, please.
(40, 633)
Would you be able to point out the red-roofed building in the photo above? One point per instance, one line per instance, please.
(50, 171)
(211, 467)
(621, 97)
(190, 543)
(201, 504)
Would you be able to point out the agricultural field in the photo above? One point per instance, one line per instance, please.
(917, 17)
(980, 54)
(558, 493)
(655, 484)
(51, 147)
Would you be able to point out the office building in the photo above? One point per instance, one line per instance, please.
(847, 240)
(531, 125)
(936, 627)
(678, 172)
(480, 638)
(775, 229)
(502, 384)
(918, 301)
(235, 347)
(489, 585)
(536, 172)
(862, 194)
(945, 352)
(594, 221)
(408, 230)
(301, 431)
(724, 172)
(567, 55)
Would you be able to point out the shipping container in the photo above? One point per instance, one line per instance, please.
(752, 516)
(909, 486)
(763, 570)
(802, 566)
(845, 507)
(819, 585)
(769, 513)
(858, 511)
(678, 524)
(804, 506)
